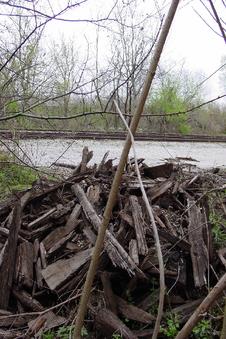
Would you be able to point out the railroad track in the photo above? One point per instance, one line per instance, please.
(97, 135)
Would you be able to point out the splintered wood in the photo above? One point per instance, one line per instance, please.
(48, 233)
(199, 253)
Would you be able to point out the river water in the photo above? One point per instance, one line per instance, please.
(45, 152)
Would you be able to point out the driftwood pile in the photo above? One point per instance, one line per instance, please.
(47, 235)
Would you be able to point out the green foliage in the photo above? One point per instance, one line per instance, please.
(13, 107)
(172, 96)
(203, 330)
(218, 228)
(116, 336)
(63, 332)
(48, 335)
(14, 176)
(172, 326)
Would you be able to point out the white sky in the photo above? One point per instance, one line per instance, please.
(194, 42)
(191, 42)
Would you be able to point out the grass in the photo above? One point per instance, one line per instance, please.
(13, 176)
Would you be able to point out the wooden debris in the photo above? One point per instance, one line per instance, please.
(199, 253)
(47, 237)
(25, 258)
(139, 225)
(8, 260)
(10, 334)
(159, 190)
(108, 324)
(115, 251)
(42, 254)
(110, 298)
(42, 219)
(133, 251)
(163, 171)
(56, 238)
(58, 272)
(27, 301)
(132, 312)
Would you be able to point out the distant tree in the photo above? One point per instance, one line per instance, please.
(22, 80)
(132, 42)
(68, 71)
(174, 92)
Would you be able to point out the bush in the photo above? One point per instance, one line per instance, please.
(13, 176)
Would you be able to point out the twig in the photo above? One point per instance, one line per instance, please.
(218, 20)
(41, 312)
(155, 230)
(203, 308)
(118, 175)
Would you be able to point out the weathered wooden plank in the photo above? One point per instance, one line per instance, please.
(133, 251)
(25, 257)
(58, 272)
(86, 157)
(184, 311)
(53, 238)
(159, 190)
(27, 301)
(36, 245)
(45, 322)
(38, 233)
(116, 252)
(3, 249)
(5, 233)
(38, 270)
(43, 219)
(8, 321)
(7, 267)
(93, 194)
(199, 252)
(133, 312)
(108, 323)
(62, 210)
(108, 293)
(174, 240)
(126, 217)
(42, 251)
(59, 244)
(72, 221)
(139, 225)
(163, 171)
(90, 235)
(10, 334)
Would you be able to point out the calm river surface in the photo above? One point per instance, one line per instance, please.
(45, 152)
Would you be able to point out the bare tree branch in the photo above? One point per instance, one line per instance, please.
(218, 20)
(76, 116)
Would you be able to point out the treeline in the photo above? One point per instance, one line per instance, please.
(42, 77)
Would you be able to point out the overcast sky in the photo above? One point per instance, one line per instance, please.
(194, 42)
(191, 42)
